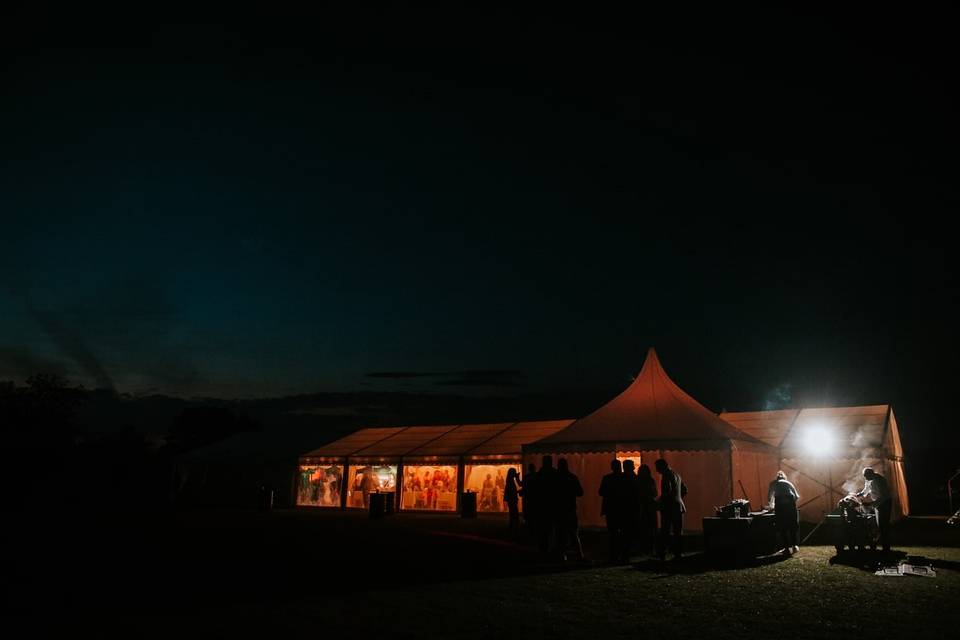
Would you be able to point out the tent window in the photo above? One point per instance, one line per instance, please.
(488, 482)
(366, 480)
(319, 485)
(429, 488)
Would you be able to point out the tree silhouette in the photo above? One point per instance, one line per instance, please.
(42, 412)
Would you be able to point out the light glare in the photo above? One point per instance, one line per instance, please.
(818, 441)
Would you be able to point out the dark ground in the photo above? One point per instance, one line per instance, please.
(250, 574)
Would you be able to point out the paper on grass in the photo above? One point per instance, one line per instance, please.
(905, 569)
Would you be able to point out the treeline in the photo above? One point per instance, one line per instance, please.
(56, 462)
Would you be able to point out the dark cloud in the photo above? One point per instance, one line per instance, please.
(133, 317)
(467, 378)
(173, 372)
(71, 344)
(403, 374)
(126, 312)
(477, 382)
(478, 373)
(20, 362)
(64, 336)
(138, 318)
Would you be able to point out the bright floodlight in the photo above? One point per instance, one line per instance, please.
(818, 441)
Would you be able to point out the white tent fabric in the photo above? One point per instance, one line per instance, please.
(720, 457)
(654, 418)
(824, 450)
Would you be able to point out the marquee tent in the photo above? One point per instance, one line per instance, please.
(720, 457)
(823, 451)
(426, 467)
(653, 418)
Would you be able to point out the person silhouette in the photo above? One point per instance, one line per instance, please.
(631, 510)
(547, 503)
(528, 491)
(486, 494)
(367, 485)
(511, 498)
(783, 496)
(647, 498)
(567, 525)
(611, 507)
(876, 494)
(672, 509)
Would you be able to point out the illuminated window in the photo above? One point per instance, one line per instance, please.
(363, 481)
(429, 488)
(319, 485)
(488, 481)
(626, 456)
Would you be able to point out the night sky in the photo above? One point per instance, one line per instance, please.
(499, 203)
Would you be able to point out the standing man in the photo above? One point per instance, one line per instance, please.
(876, 493)
(531, 498)
(611, 507)
(647, 487)
(672, 509)
(631, 505)
(367, 485)
(511, 498)
(547, 500)
(783, 496)
(567, 526)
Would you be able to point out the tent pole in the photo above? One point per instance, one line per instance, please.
(399, 487)
(461, 470)
(806, 475)
(830, 482)
(812, 531)
(829, 502)
(730, 443)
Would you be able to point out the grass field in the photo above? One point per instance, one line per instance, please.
(240, 574)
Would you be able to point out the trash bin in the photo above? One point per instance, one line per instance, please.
(266, 498)
(388, 507)
(468, 504)
(378, 503)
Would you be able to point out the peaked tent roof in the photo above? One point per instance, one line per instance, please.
(653, 412)
(855, 429)
(769, 426)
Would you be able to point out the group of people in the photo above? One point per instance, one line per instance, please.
(319, 486)
(428, 486)
(875, 496)
(549, 505)
(491, 492)
(368, 480)
(631, 503)
(630, 506)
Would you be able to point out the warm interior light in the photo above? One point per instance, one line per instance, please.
(488, 481)
(818, 441)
